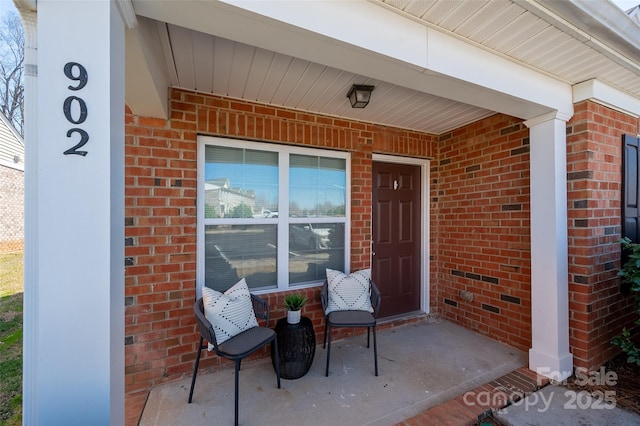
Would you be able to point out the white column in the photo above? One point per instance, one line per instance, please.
(74, 251)
(549, 354)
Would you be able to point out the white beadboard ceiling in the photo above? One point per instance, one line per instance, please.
(518, 30)
(246, 72)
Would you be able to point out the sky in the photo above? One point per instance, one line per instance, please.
(626, 4)
(7, 5)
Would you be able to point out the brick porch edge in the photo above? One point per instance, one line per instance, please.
(475, 405)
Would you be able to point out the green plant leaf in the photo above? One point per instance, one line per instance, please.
(294, 301)
(630, 274)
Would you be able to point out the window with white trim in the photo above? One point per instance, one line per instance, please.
(275, 215)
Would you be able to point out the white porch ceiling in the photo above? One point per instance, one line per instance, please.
(524, 32)
(216, 65)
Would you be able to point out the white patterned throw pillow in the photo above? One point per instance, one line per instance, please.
(229, 313)
(349, 292)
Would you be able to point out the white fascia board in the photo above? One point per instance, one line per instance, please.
(146, 80)
(357, 23)
(125, 7)
(601, 25)
(16, 166)
(399, 38)
(244, 26)
(367, 39)
(371, 27)
(600, 92)
(608, 29)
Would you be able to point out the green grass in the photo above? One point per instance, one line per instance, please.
(11, 289)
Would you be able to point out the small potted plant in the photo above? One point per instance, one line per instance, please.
(294, 302)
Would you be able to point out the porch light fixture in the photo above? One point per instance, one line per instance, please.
(359, 95)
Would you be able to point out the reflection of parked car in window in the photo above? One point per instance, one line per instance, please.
(309, 235)
(266, 213)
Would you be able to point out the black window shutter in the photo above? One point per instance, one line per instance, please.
(631, 188)
(630, 198)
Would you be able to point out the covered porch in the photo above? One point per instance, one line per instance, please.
(421, 365)
(492, 99)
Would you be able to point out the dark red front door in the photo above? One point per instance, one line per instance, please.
(396, 236)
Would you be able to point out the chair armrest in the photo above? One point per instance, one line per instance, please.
(206, 329)
(324, 297)
(261, 308)
(375, 298)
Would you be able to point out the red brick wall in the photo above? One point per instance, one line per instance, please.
(160, 219)
(479, 224)
(598, 310)
(11, 209)
(481, 231)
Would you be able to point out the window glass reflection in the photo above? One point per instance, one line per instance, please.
(313, 247)
(236, 251)
(316, 186)
(240, 183)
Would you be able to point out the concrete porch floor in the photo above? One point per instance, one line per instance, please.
(421, 365)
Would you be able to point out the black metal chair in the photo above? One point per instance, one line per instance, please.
(350, 319)
(237, 347)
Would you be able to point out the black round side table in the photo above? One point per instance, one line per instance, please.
(296, 347)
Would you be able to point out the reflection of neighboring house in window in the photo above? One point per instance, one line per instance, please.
(11, 187)
(220, 197)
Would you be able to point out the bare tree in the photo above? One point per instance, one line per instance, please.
(12, 69)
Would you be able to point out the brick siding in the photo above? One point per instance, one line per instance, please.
(479, 230)
(11, 209)
(598, 310)
(160, 219)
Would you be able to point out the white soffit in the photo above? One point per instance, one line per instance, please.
(436, 65)
(571, 40)
(433, 54)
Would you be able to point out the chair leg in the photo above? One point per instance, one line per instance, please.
(368, 329)
(375, 349)
(195, 369)
(274, 343)
(324, 341)
(236, 392)
(326, 373)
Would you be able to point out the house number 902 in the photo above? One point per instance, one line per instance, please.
(74, 107)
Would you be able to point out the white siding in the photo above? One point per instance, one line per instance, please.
(11, 145)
